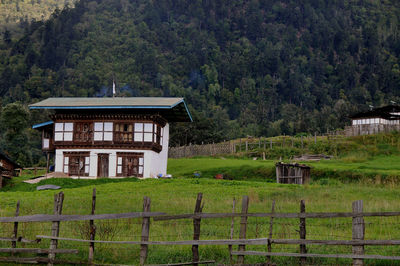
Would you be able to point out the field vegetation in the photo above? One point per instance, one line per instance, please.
(369, 170)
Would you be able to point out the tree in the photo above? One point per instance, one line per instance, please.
(14, 122)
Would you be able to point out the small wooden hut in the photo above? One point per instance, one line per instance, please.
(7, 168)
(292, 173)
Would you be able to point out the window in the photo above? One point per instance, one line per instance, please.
(123, 132)
(158, 134)
(77, 163)
(63, 131)
(103, 131)
(145, 132)
(83, 132)
(130, 164)
(46, 140)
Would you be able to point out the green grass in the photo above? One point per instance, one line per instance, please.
(178, 196)
(378, 169)
(366, 168)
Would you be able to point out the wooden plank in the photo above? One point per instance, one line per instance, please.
(243, 227)
(19, 239)
(61, 218)
(55, 227)
(160, 216)
(232, 230)
(196, 229)
(37, 260)
(15, 233)
(145, 231)
(358, 232)
(302, 231)
(183, 263)
(271, 223)
(309, 255)
(38, 250)
(259, 241)
(275, 215)
(92, 229)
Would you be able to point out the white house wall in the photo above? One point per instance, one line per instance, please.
(154, 163)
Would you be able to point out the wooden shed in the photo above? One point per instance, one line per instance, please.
(292, 173)
(7, 168)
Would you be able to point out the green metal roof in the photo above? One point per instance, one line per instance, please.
(172, 105)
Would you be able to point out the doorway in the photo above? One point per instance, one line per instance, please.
(102, 165)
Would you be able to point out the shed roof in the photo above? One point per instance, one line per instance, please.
(173, 106)
(5, 157)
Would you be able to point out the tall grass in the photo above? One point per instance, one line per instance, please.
(179, 195)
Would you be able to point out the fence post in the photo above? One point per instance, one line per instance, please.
(232, 230)
(247, 145)
(240, 145)
(271, 223)
(259, 143)
(302, 145)
(196, 228)
(315, 137)
(265, 144)
(243, 227)
(302, 228)
(270, 144)
(55, 227)
(358, 231)
(15, 235)
(92, 228)
(145, 231)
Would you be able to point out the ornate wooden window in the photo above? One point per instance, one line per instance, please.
(130, 164)
(77, 163)
(123, 132)
(103, 131)
(63, 131)
(83, 132)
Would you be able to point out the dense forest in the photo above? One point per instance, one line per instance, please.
(245, 67)
(15, 14)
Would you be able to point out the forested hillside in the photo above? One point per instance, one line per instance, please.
(258, 67)
(15, 14)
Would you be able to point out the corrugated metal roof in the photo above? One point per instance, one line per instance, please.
(175, 108)
(118, 102)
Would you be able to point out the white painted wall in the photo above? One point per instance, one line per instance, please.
(154, 163)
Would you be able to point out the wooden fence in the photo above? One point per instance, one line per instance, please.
(147, 217)
(251, 144)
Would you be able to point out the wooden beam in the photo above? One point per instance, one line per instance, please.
(309, 255)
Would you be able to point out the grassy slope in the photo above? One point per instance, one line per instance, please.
(374, 168)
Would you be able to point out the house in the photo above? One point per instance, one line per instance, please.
(110, 137)
(382, 119)
(7, 168)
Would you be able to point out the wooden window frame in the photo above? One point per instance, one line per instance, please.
(79, 131)
(86, 163)
(126, 155)
(118, 132)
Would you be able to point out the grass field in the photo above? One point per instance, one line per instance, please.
(365, 168)
(178, 196)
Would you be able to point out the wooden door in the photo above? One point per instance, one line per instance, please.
(102, 165)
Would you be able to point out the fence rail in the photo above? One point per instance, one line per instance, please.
(357, 243)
